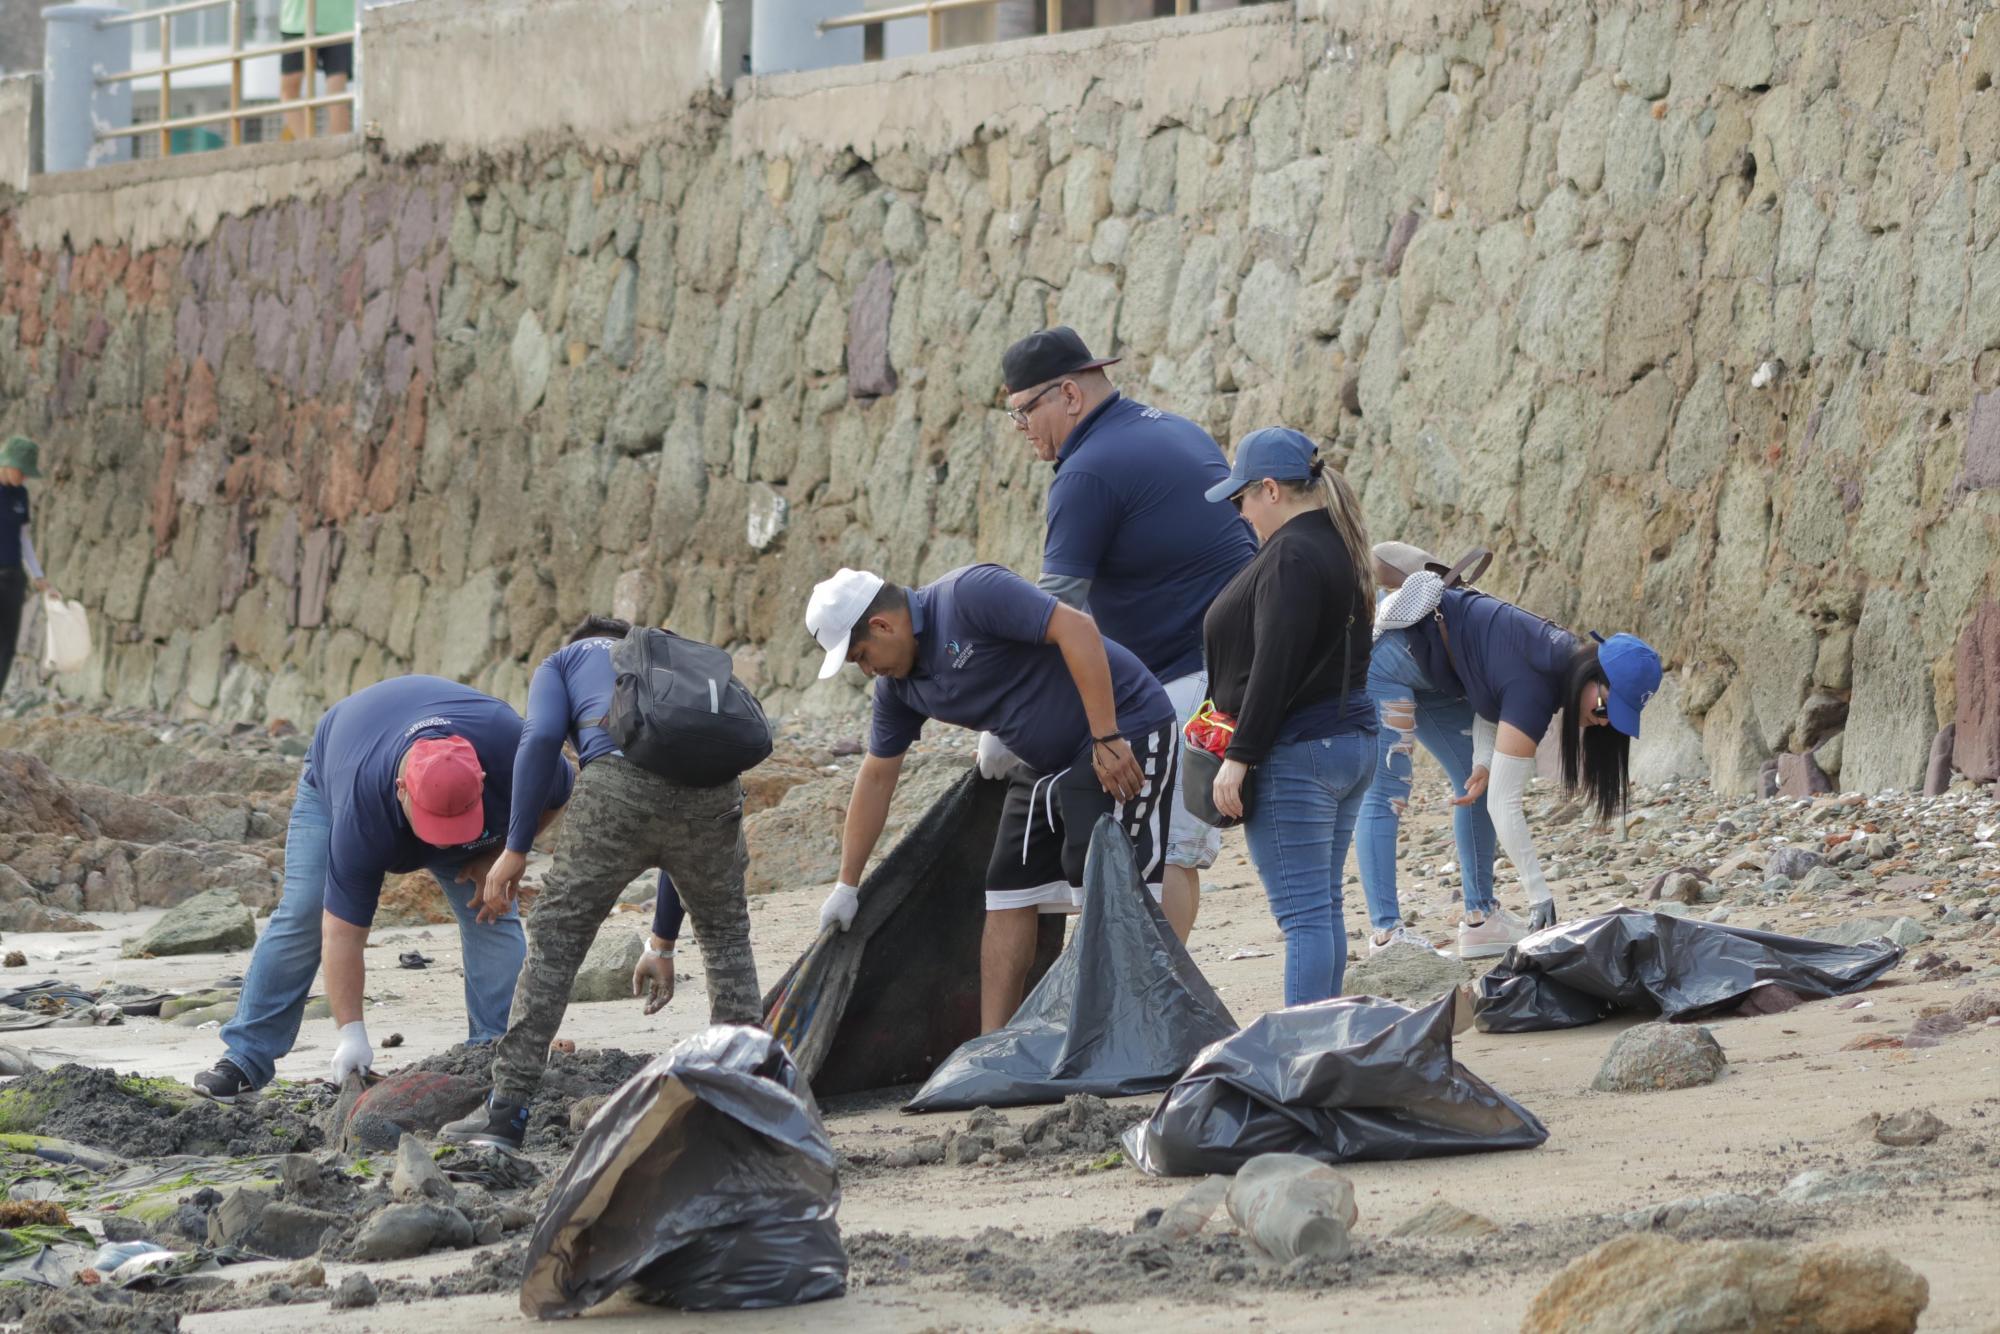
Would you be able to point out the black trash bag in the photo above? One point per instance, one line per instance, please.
(1123, 1011)
(1577, 973)
(883, 1002)
(1341, 1080)
(707, 1179)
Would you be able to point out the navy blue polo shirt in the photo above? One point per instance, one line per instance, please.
(1127, 512)
(356, 750)
(1509, 661)
(982, 664)
(13, 518)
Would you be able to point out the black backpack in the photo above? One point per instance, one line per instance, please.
(677, 710)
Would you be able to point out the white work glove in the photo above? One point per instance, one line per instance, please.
(838, 910)
(994, 758)
(353, 1056)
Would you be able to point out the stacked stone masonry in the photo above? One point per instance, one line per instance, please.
(1691, 312)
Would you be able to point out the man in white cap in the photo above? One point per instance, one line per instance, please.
(1093, 731)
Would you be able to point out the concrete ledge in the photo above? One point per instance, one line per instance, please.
(1175, 68)
(145, 204)
(473, 76)
(20, 130)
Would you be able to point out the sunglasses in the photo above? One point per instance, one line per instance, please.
(1020, 414)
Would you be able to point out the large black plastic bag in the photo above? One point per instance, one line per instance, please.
(1339, 1080)
(1123, 1011)
(707, 1178)
(1576, 973)
(884, 1001)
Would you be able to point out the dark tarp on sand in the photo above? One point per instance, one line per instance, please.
(1579, 972)
(1123, 1011)
(884, 1001)
(707, 1178)
(1340, 1080)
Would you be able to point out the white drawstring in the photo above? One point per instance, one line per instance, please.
(1049, 808)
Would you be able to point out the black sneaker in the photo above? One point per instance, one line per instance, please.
(224, 1084)
(497, 1122)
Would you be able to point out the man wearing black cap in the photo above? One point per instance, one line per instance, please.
(1131, 539)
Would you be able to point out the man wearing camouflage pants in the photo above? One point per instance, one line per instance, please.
(622, 821)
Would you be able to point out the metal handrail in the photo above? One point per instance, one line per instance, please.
(149, 15)
(203, 62)
(935, 10)
(234, 58)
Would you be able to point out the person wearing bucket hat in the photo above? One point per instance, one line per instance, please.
(20, 460)
(983, 648)
(414, 773)
(1131, 539)
(1516, 672)
(1287, 644)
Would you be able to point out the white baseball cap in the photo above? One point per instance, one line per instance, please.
(833, 610)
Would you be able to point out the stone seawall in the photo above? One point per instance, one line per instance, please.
(1690, 312)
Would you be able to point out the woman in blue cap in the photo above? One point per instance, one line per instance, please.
(1517, 672)
(1287, 645)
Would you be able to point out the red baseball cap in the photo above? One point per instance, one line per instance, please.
(444, 781)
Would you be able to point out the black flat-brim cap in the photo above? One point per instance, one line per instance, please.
(1047, 355)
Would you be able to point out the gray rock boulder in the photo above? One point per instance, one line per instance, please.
(403, 1231)
(1402, 972)
(1660, 1056)
(356, 1290)
(417, 1175)
(216, 920)
(1905, 931)
(253, 1220)
(606, 974)
(1795, 863)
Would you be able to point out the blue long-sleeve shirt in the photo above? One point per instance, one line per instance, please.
(569, 694)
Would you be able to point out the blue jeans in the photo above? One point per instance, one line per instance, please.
(1409, 706)
(1304, 801)
(287, 955)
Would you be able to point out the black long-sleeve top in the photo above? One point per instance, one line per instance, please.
(1287, 641)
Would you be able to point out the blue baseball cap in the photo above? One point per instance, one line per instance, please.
(1277, 452)
(1632, 670)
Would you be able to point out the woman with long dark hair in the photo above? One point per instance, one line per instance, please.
(1287, 647)
(1517, 673)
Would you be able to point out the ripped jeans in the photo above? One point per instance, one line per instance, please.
(1413, 711)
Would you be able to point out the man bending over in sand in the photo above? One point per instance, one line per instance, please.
(414, 773)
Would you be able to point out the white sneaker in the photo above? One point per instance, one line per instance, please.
(1402, 935)
(1517, 923)
(1492, 937)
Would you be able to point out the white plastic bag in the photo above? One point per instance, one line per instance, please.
(68, 643)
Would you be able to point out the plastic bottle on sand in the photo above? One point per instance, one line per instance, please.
(1291, 1206)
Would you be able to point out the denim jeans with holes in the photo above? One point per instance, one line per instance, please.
(1411, 711)
(1305, 798)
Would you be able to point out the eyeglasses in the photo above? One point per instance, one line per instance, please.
(1020, 414)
